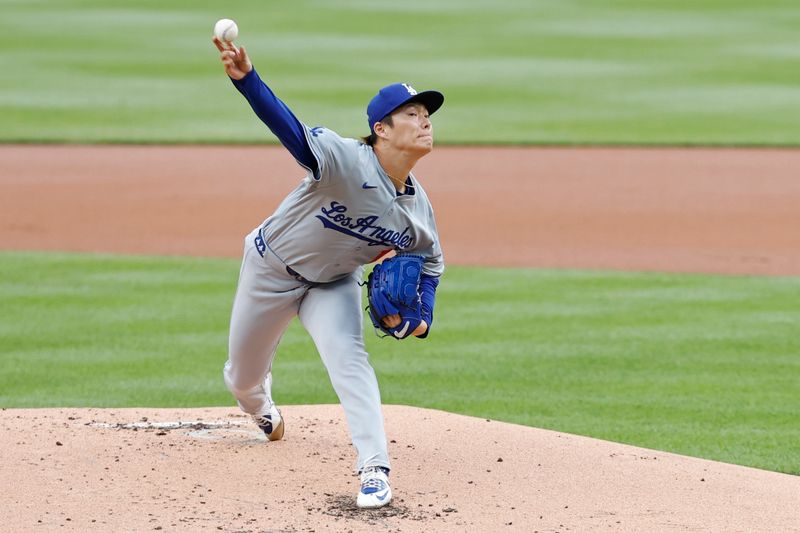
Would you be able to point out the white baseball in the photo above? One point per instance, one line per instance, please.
(226, 30)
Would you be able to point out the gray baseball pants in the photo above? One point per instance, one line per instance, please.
(267, 298)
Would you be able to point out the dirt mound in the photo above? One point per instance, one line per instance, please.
(212, 470)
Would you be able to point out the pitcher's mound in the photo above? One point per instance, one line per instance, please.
(211, 469)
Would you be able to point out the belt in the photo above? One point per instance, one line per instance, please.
(292, 272)
(261, 247)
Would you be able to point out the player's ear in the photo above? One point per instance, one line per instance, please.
(380, 129)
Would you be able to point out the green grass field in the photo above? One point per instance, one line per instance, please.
(514, 71)
(699, 365)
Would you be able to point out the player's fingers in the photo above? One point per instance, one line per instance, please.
(228, 57)
(224, 46)
(391, 321)
(244, 61)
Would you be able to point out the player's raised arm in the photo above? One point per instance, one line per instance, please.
(268, 107)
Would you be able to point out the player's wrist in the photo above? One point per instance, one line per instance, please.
(421, 329)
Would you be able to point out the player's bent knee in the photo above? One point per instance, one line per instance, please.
(237, 383)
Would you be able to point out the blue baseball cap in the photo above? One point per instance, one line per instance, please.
(398, 94)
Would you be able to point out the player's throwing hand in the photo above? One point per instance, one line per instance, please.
(237, 64)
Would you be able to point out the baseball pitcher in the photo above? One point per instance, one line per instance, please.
(357, 202)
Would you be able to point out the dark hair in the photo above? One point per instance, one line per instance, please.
(372, 138)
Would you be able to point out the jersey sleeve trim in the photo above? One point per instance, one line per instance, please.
(320, 166)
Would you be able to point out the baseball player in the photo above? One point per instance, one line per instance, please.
(357, 202)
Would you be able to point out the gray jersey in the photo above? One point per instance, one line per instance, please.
(349, 214)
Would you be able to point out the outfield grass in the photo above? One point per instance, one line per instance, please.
(700, 365)
(514, 71)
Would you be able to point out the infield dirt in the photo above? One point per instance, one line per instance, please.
(719, 211)
(671, 210)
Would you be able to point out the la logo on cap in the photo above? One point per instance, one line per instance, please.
(412, 91)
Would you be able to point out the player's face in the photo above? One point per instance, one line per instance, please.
(412, 129)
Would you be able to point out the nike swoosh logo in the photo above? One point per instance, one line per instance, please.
(366, 185)
(381, 498)
(402, 333)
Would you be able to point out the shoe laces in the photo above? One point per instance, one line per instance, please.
(374, 478)
(263, 420)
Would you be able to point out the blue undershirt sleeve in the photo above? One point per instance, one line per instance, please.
(427, 293)
(278, 118)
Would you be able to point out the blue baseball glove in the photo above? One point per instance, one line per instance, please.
(393, 289)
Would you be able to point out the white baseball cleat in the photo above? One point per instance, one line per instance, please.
(271, 423)
(375, 490)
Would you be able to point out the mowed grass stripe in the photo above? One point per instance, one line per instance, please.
(695, 364)
(514, 71)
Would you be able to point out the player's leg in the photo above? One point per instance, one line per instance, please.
(332, 315)
(266, 301)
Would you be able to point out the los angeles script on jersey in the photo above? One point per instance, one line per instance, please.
(363, 228)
